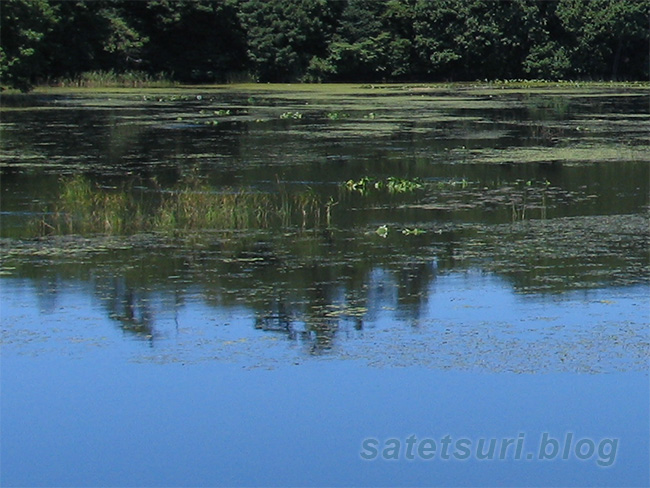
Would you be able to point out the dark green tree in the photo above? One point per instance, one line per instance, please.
(24, 28)
(474, 39)
(548, 56)
(321, 40)
(95, 35)
(373, 41)
(606, 38)
(284, 35)
(196, 41)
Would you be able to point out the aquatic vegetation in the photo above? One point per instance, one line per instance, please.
(337, 115)
(463, 183)
(84, 207)
(362, 185)
(516, 200)
(196, 207)
(611, 152)
(403, 185)
(413, 232)
(291, 115)
(384, 230)
(308, 204)
(395, 185)
(392, 184)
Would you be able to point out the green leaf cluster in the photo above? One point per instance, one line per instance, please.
(203, 41)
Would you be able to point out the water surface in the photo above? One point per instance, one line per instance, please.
(200, 288)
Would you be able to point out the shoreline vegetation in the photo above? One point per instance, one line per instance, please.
(130, 42)
(98, 81)
(113, 79)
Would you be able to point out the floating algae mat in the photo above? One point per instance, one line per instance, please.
(543, 187)
(201, 269)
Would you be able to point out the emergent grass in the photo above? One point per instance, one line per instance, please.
(84, 207)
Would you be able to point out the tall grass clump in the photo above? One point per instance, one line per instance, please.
(124, 79)
(201, 207)
(84, 207)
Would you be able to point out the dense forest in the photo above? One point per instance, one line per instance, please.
(203, 41)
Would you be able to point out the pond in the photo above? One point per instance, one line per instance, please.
(326, 285)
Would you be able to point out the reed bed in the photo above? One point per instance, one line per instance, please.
(84, 207)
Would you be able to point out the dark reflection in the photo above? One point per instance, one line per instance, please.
(318, 288)
(510, 186)
(128, 306)
(315, 317)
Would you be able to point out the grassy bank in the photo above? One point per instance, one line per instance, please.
(110, 80)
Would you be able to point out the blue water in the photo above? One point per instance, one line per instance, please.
(67, 423)
(212, 401)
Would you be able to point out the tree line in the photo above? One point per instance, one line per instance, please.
(203, 41)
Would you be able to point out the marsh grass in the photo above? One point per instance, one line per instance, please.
(192, 208)
(127, 79)
(84, 207)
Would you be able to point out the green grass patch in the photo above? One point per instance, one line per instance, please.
(84, 207)
(126, 79)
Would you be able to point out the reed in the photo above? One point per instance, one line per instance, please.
(84, 207)
(111, 78)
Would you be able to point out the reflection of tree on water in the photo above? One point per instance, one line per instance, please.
(312, 324)
(332, 309)
(314, 327)
(129, 306)
(414, 279)
(314, 289)
(312, 299)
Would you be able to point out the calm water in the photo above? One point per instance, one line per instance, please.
(487, 281)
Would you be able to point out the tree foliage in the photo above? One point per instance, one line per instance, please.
(325, 40)
(25, 25)
(284, 35)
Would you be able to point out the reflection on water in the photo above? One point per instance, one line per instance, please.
(196, 270)
(461, 321)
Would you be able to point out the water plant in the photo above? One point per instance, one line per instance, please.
(85, 207)
(336, 115)
(403, 185)
(361, 186)
(413, 232)
(82, 207)
(443, 184)
(291, 115)
(308, 203)
(529, 194)
(392, 184)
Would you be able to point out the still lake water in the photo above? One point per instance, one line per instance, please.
(454, 266)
